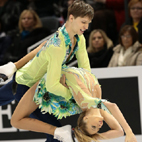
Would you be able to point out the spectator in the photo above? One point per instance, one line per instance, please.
(43, 8)
(118, 7)
(9, 14)
(30, 31)
(129, 50)
(105, 19)
(100, 49)
(4, 43)
(108, 15)
(135, 8)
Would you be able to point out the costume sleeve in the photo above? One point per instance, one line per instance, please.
(82, 56)
(53, 85)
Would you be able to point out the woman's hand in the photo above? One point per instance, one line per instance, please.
(130, 138)
(63, 81)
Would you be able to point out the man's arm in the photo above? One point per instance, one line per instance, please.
(82, 56)
(55, 57)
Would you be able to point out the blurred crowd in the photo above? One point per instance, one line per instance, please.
(113, 38)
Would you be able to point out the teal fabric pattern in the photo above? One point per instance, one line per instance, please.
(57, 105)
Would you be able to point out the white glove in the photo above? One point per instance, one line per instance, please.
(8, 69)
(63, 134)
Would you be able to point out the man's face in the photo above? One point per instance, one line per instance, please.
(80, 24)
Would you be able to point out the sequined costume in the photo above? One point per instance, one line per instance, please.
(84, 88)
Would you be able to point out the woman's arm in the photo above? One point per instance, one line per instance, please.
(113, 108)
(20, 63)
(10, 68)
(116, 129)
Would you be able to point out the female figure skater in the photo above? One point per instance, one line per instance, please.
(86, 91)
(69, 40)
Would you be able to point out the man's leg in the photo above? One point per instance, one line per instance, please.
(6, 95)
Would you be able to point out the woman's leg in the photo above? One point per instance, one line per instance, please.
(21, 119)
(47, 118)
(51, 119)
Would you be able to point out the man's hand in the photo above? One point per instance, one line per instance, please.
(63, 81)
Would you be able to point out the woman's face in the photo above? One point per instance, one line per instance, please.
(79, 24)
(98, 41)
(127, 40)
(28, 21)
(93, 123)
(136, 10)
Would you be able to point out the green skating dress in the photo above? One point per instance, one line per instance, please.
(83, 86)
